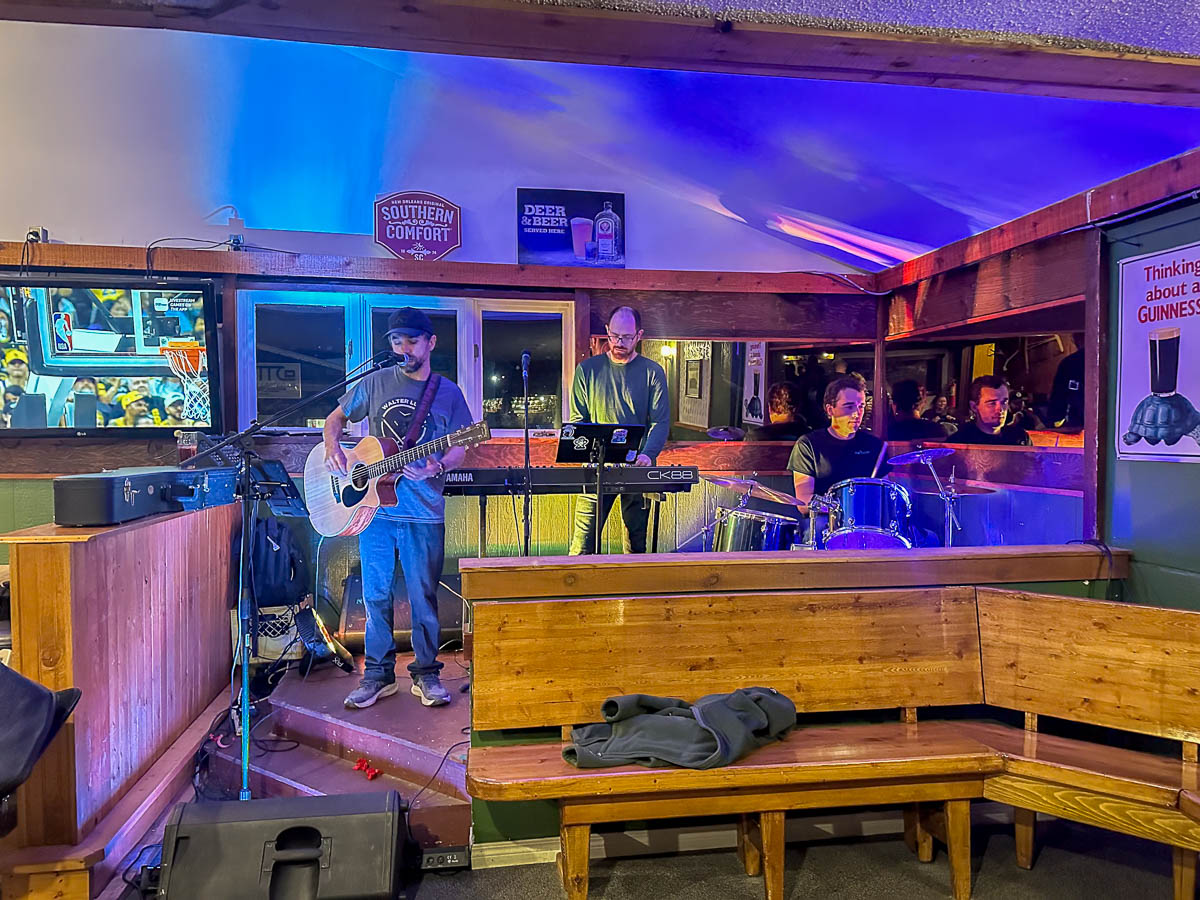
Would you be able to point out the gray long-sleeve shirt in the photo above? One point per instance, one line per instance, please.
(631, 394)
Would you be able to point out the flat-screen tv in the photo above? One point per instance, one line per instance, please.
(94, 356)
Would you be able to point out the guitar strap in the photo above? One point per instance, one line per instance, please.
(422, 410)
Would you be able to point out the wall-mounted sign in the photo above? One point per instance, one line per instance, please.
(1158, 357)
(570, 228)
(417, 225)
(278, 381)
(754, 388)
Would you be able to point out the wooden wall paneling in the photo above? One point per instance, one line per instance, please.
(726, 315)
(876, 649)
(1111, 664)
(1129, 192)
(230, 330)
(596, 36)
(880, 409)
(583, 328)
(42, 622)
(1096, 427)
(136, 616)
(412, 275)
(70, 456)
(495, 579)
(1041, 272)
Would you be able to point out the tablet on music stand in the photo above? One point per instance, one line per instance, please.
(588, 442)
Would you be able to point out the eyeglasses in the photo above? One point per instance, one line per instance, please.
(622, 338)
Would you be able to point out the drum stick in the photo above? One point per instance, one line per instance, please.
(879, 459)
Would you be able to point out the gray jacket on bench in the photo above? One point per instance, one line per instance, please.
(664, 731)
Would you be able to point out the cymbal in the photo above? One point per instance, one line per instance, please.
(920, 456)
(726, 433)
(961, 490)
(756, 490)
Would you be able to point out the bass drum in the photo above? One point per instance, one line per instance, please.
(747, 529)
(869, 513)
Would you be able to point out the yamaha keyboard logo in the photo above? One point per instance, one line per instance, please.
(460, 477)
(670, 474)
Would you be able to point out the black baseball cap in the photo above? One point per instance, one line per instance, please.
(409, 321)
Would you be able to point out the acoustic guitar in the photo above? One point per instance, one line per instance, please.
(345, 504)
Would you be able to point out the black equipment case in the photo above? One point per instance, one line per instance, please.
(121, 495)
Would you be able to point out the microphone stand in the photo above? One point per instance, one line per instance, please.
(528, 474)
(250, 496)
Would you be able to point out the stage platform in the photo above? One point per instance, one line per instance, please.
(412, 745)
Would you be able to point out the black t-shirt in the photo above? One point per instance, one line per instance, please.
(1009, 436)
(828, 459)
(910, 429)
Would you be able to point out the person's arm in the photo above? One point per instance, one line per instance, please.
(804, 486)
(579, 405)
(335, 424)
(658, 414)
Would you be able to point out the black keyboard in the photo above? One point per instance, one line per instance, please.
(571, 480)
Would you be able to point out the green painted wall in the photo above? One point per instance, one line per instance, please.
(1152, 508)
(24, 503)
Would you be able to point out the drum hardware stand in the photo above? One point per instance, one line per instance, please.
(948, 496)
(721, 517)
(818, 504)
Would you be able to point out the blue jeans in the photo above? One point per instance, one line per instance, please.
(420, 547)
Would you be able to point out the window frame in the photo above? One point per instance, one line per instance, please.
(357, 307)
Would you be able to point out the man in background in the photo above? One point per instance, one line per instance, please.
(620, 387)
(989, 409)
(785, 423)
(906, 424)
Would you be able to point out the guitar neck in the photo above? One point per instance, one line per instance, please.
(398, 461)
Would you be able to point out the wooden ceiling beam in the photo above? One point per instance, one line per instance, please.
(305, 267)
(524, 30)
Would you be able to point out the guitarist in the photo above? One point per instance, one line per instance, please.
(410, 405)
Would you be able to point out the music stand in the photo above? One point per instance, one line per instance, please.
(276, 487)
(596, 445)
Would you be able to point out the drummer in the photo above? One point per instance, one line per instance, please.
(824, 457)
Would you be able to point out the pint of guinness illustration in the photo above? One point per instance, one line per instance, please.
(1164, 360)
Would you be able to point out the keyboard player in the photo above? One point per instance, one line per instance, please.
(621, 387)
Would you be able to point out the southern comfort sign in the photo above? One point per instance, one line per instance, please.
(417, 225)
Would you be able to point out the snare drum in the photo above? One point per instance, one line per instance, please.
(747, 529)
(869, 513)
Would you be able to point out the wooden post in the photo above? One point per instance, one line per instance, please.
(1096, 427)
(958, 845)
(772, 853)
(573, 860)
(879, 412)
(1183, 865)
(583, 329)
(749, 844)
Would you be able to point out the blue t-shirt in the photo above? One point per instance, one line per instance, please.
(390, 398)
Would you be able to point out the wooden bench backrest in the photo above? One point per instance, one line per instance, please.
(1135, 668)
(554, 661)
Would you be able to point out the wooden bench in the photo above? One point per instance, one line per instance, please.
(553, 662)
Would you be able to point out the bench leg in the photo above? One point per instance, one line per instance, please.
(749, 844)
(958, 845)
(918, 839)
(573, 860)
(1184, 865)
(1025, 830)
(771, 825)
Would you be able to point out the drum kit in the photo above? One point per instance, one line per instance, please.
(860, 513)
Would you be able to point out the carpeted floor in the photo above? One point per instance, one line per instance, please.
(1074, 861)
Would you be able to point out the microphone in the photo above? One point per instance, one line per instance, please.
(397, 359)
(525, 357)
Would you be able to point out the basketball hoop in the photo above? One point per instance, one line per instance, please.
(188, 361)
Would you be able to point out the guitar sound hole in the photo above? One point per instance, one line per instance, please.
(359, 477)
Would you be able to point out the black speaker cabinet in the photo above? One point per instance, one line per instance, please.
(347, 847)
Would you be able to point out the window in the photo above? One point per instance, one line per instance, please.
(506, 335)
(305, 341)
(300, 350)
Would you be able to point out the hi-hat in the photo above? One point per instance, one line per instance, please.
(920, 456)
(756, 490)
(726, 433)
